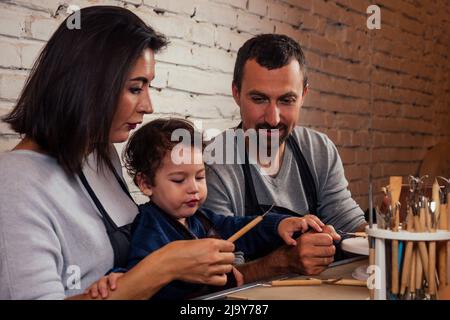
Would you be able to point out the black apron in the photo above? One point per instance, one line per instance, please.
(252, 206)
(119, 237)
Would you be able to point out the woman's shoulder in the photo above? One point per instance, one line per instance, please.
(26, 163)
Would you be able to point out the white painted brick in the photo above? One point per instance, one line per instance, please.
(254, 24)
(199, 81)
(225, 106)
(169, 24)
(277, 11)
(47, 5)
(186, 7)
(286, 29)
(218, 125)
(29, 52)
(43, 28)
(258, 7)
(10, 54)
(178, 52)
(234, 3)
(11, 84)
(5, 108)
(203, 33)
(215, 13)
(12, 23)
(213, 58)
(230, 39)
(161, 75)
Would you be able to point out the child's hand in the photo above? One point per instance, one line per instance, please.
(103, 286)
(288, 226)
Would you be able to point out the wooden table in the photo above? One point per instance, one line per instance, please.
(260, 290)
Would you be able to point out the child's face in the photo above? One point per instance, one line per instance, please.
(179, 189)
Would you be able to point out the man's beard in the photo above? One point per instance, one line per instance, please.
(266, 141)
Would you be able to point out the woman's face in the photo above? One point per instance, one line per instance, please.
(134, 100)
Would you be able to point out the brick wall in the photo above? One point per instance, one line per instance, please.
(381, 95)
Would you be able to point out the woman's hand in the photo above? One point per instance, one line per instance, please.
(288, 226)
(200, 261)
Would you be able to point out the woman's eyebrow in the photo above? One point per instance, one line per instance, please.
(143, 79)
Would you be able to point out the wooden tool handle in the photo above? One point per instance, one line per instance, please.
(419, 270)
(412, 278)
(394, 267)
(432, 268)
(410, 224)
(300, 282)
(406, 267)
(371, 263)
(423, 252)
(245, 229)
(442, 248)
(349, 282)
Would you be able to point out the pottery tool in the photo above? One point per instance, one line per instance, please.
(371, 239)
(434, 208)
(395, 187)
(408, 253)
(249, 226)
(317, 282)
(443, 225)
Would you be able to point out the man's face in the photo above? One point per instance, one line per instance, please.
(270, 99)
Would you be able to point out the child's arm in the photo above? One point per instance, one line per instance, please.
(288, 226)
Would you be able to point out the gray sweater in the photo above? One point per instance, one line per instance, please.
(53, 243)
(226, 186)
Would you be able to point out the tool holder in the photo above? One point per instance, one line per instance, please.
(381, 235)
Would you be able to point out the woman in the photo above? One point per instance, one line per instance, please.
(64, 208)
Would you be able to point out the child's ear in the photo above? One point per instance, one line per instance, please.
(143, 185)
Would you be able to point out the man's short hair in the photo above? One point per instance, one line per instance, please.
(271, 51)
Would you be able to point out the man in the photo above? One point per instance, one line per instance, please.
(306, 176)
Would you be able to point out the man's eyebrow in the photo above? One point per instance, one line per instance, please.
(256, 92)
(289, 94)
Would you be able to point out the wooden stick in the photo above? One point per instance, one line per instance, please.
(442, 248)
(372, 263)
(412, 278)
(395, 186)
(316, 282)
(419, 224)
(408, 253)
(301, 282)
(246, 228)
(432, 245)
(419, 270)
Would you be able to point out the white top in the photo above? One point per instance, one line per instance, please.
(53, 242)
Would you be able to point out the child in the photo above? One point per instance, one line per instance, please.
(177, 191)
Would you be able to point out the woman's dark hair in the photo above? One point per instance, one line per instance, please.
(271, 51)
(69, 100)
(148, 146)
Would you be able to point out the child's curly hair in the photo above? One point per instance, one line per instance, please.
(147, 147)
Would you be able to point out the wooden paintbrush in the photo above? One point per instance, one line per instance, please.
(248, 226)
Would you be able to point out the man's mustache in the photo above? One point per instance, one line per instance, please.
(266, 126)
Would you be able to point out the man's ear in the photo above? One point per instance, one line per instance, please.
(235, 92)
(143, 185)
(305, 91)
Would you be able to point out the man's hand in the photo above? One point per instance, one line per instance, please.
(316, 251)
